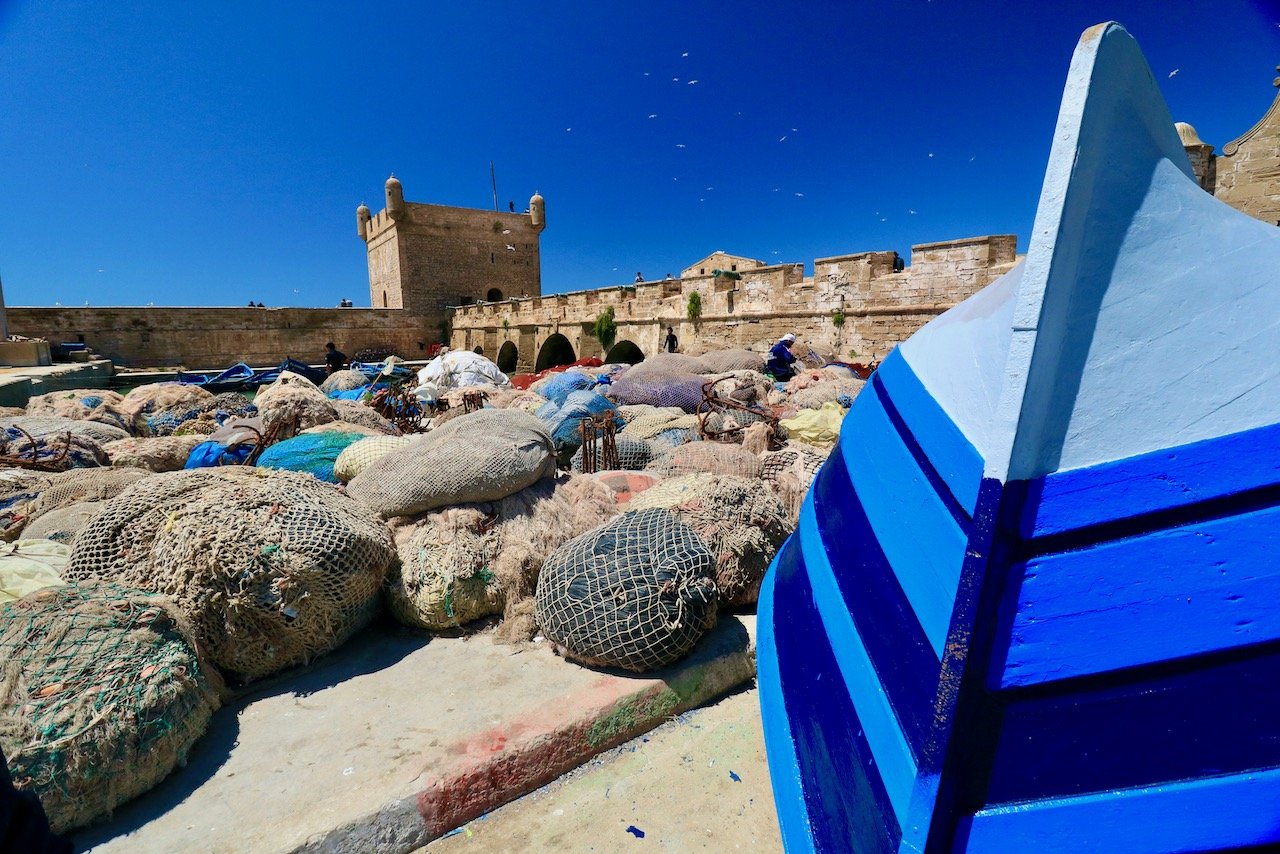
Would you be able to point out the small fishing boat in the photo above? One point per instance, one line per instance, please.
(240, 376)
(1033, 601)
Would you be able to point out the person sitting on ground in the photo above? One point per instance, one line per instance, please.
(671, 343)
(334, 359)
(639, 277)
(781, 359)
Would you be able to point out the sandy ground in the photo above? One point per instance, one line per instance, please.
(697, 783)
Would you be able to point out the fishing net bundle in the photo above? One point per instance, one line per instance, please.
(159, 453)
(636, 593)
(312, 453)
(62, 525)
(827, 391)
(146, 402)
(514, 398)
(633, 454)
(74, 487)
(48, 425)
(90, 404)
(346, 380)
(292, 404)
(669, 364)
(272, 567)
(742, 521)
(790, 471)
(463, 563)
(357, 456)
(557, 387)
(103, 692)
(58, 451)
(485, 456)
(12, 411)
(201, 418)
(683, 391)
(564, 422)
(709, 457)
(19, 490)
(724, 361)
(354, 412)
(745, 387)
(625, 485)
(645, 422)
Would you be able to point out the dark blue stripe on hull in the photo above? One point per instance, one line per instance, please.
(847, 805)
(1198, 718)
(903, 659)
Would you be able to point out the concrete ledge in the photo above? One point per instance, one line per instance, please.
(398, 738)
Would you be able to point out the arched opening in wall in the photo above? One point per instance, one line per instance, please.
(556, 350)
(624, 351)
(494, 295)
(508, 357)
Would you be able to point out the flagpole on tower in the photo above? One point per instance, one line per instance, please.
(493, 178)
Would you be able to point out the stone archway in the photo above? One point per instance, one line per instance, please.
(494, 295)
(556, 350)
(508, 357)
(625, 351)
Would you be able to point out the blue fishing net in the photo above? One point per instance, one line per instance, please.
(210, 454)
(557, 387)
(313, 453)
(633, 454)
(563, 422)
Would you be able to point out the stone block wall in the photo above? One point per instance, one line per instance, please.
(201, 338)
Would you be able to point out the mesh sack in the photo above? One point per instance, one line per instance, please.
(313, 453)
(90, 404)
(344, 381)
(47, 425)
(292, 404)
(72, 487)
(669, 364)
(709, 457)
(342, 427)
(648, 421)
(791, 472)
(485, 456)
(358, 455)
(564, 423)
(742, 521)
(633, 454)
(19, 491)
(145, 401)
(635, 593)
(61, 451)
(353, 412)
(12, 411)
(557, 387)
(62, 524)
(272, 567)
(722, 361)
(825, 392)
(673, 438)
(514, 398)
(159, 453)
(104, 691)
(459, 564)
(748, 388)
(625, 485)
(683, 391)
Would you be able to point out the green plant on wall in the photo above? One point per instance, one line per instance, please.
(605, 330)
(838, 318)
(506, 323)
(695, 306)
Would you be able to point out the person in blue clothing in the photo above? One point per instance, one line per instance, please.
(781, 359)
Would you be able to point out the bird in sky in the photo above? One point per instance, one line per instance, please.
(784, 138)
(675, 79)
(930, 153)
(910, 211)
(567, 130)
(684, 55)
(1174, 71)
(799, 195)
(691, 82)
(680, 145)
(653, 115)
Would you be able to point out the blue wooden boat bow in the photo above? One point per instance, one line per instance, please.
(1029, 605)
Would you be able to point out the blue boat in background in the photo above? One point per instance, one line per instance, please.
(1033, 601)
(240, 376)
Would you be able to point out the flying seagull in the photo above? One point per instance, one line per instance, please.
(1174, 71)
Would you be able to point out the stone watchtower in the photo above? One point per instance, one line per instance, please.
(425, 258)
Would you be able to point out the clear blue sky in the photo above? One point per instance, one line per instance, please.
(209, 154)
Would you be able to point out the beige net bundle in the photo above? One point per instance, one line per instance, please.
(668, 364)
(74, 487)
(463, 563)
(52, 425)
(354, 412)
(514, 398)
(292, 404)
(357, 456)
(12, 411)
(723, 361)
(709, 457)
(19, 491)
(55, 451)
(826, 391)
(272, 567)
(484, 456)
(103, 692)
(146, 401)
(89, 404)
(745, 387)
(63, 524)
(342, 427)
(656, 419)
(346, 380)
(790, 471)
(154, 453)
(742, 521)
(636, 593)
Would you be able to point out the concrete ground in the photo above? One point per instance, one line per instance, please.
(399, 737)
(697, 783)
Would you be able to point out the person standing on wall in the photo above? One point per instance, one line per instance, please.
(334, 359)
(781, 359)
(671, 344)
